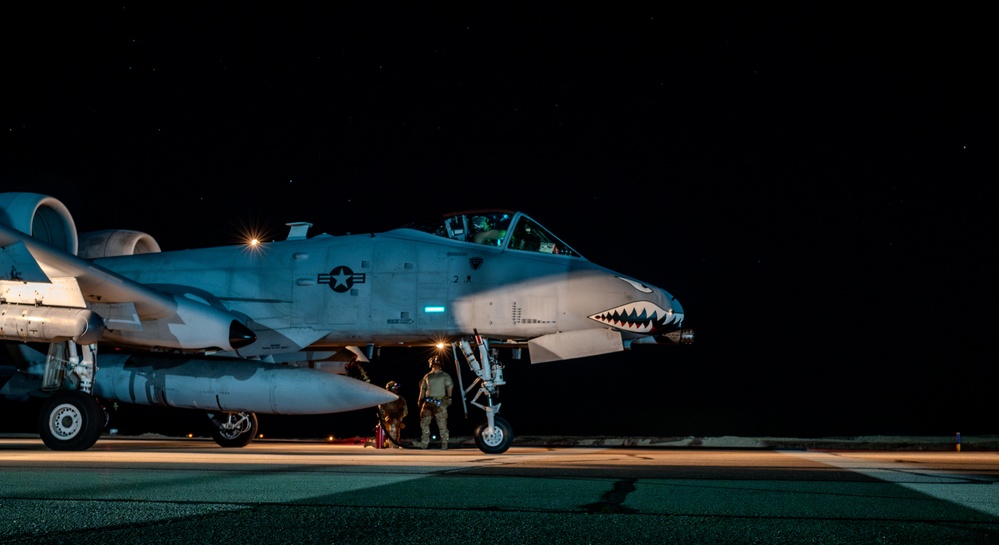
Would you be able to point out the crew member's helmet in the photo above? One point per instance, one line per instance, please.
(480, 223)
(392, 386)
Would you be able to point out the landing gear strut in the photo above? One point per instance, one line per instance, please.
(71, 419)
(233, 430)
(494, 435)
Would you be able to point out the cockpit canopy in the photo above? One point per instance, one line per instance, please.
(501, 228)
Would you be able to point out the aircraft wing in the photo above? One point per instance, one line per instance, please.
(133, 313)
(97, 285)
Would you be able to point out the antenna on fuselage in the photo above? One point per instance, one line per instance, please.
(298, 230)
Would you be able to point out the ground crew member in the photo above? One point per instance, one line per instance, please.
(435, 397)
(354, 369)
(392, 413)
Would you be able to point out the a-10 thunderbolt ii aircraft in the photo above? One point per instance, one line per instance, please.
(237, 330)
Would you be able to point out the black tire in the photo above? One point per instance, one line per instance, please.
(236, 438)
(71, 421)
(498, 440)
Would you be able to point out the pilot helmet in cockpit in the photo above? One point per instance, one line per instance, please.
(480, 223)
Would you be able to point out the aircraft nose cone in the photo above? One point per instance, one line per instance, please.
(676, 307)
(673, 333)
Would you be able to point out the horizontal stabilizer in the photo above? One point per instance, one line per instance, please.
(17, 264)
(574, 344)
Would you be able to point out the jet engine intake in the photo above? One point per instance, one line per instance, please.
(42, 217)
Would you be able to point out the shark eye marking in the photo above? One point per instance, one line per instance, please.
(637, 285)
(639, 317)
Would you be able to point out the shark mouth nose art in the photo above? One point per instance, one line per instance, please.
(639, 317)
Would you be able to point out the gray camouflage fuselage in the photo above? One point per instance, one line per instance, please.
(402, 287)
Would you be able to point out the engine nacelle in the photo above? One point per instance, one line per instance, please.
(42, 217)
(48, 220)
(114, 243)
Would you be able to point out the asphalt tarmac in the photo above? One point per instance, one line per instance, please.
(127, 491)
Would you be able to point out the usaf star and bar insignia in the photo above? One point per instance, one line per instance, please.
(341, 279)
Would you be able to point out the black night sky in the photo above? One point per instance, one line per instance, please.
(813, 183)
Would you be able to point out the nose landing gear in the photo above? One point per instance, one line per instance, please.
(494, 435)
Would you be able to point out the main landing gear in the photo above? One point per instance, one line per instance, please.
(233, 430)
(494, 435)
(71, 419)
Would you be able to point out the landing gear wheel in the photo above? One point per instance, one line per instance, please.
(71, 421)
(234, 430)
(496, 440)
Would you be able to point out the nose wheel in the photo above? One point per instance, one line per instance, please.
(494, 439)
